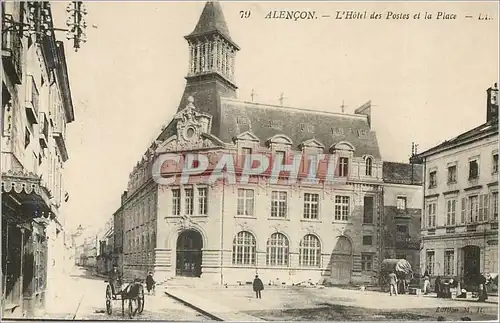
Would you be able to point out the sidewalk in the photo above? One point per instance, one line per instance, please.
(213, 310)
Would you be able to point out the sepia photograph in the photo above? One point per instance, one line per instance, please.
(249, 160)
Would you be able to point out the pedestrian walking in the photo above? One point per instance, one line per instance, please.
(393, 281)
(427, 285)
(258, 286)
(150, 283)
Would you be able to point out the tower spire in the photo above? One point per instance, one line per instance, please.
(211, 49)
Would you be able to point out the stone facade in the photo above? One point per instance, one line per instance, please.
(226, 232)
(460, 226)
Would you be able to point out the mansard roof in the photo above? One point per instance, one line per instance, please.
(300, 125)
(211, 20)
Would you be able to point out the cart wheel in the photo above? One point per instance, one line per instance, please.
(140, 301)
(130, 309)
(109, 296)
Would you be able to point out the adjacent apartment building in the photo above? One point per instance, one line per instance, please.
(36, 108)
(402, 212)
(460, 226)
(225, 233)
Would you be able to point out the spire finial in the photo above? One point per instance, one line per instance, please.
(343, 106)
(282, 98)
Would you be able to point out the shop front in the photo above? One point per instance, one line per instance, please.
(25, 214)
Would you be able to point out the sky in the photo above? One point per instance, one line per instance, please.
(426, 78)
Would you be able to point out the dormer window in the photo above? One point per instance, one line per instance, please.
(245, 155)
(343, 166)
(279, 155)
(369, 165)
(473, 169)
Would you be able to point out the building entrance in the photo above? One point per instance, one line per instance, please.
(471, 264)
(189, 254)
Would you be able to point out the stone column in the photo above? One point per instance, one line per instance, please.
(198, 59)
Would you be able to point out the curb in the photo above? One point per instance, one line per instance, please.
(209, 315)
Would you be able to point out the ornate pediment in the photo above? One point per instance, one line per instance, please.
(190, 125)
(175, 143)
(343, 146)
(312, 143)
(280, 140)
(247, 136)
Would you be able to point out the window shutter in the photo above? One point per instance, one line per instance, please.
(469, 214)
(429, 215)
(485, 206)
(481, 208)
(434, 214)
(454, 214)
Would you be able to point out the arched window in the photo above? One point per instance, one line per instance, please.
(369, 165)
(244, 249)
(310, 251)
(277, 250)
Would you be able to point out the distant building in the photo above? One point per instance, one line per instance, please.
(460, 226)
(402, 212)
(118, 234)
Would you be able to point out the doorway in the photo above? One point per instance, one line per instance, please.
(471, 264)
(189, 254)
(342, 262)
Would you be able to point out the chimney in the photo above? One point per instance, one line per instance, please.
(366, 109)
(124, 197)
(492, 103)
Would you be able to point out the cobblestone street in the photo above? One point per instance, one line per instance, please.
(82, 297)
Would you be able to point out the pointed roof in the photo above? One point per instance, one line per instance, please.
(211, 20)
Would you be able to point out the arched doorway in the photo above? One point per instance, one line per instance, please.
(189, 255)
(471, 256)
(342, 261)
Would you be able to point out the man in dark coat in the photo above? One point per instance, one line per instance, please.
(114, 277)
(150, 283)
(258, 286)
(483, 293)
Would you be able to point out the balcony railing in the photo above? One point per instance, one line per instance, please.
(44, 130)
(405, 241)
(32, 100)
(12, 50)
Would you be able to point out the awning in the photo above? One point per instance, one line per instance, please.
(25, 193)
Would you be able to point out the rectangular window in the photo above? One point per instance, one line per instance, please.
(344, 166)
(366, 262)
(245, 153)
(483, 208)
(176, 201)
(432, 179)
(449, 260)
(452, 174)
(245, 202)
(429, 260)
(494, 205)
(341, 208)
(203, 200)
(279, 155)
(311, 202)
(27, 137)
(451, 208)
(473, 209)
(431, 215)
(495, 164)
(401, 203)
(368, 209)
(473, 169)
(278, 204)
(189, 200)
(367, 240)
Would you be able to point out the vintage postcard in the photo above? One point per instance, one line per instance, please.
(250, 161)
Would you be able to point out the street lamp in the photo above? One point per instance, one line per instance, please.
(40, 22)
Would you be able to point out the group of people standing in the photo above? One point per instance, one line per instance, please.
(442, 288)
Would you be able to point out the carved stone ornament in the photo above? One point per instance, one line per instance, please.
(243, 226)
(190, 125)
(185, 222)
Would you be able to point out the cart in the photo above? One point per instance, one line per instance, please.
(400, 267)
(133, 292)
